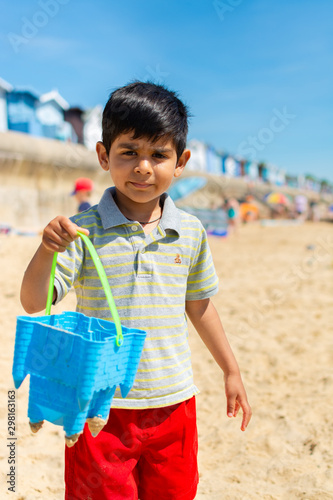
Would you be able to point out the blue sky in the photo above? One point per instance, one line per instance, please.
(256, 74)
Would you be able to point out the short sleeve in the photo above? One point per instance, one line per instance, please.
(68, 270)
(202, 280)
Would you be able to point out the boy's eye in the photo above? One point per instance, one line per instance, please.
(129, 153)
(134, 153)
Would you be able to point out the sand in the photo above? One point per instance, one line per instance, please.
(275, 300)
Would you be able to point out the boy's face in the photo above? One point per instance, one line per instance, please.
(140, 169)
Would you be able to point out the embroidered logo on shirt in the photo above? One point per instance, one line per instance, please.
(178, 260)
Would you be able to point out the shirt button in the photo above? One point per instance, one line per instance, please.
(134, 228)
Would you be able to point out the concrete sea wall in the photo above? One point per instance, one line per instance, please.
(37, 176)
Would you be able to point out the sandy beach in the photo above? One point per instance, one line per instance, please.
(275, 301)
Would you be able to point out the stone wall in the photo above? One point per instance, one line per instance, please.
(37, 176)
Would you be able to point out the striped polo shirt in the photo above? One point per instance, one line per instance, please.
(151, 276)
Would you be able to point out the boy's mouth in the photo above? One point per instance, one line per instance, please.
(140, 185)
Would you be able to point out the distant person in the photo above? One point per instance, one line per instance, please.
(232, 209)
(314, 211)
(301, 206)
(248, 210)
(82, 192)
(158, 259)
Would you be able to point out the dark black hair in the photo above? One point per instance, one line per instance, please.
(150, 110)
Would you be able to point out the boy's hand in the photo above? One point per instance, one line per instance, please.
(236, 399)
(59, 233)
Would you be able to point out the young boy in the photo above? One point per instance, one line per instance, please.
(159, 266)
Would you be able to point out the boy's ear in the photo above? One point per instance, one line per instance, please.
(103, 157)
(183, 159)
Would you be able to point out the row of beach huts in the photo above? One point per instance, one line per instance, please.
(50, 116)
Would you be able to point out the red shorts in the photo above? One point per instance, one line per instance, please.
(140, 454)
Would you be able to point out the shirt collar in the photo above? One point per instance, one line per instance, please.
(170, 216)
(109, 212)
(111, 216)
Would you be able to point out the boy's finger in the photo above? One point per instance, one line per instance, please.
(231, 407)
(54, 244)
(237, 407)
(83, 230)
(247, 414)
(69, 230)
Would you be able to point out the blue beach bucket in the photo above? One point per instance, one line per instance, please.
(75, 362)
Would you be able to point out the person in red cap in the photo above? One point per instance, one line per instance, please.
(82, 192)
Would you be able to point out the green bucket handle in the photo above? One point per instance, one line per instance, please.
(104, 281)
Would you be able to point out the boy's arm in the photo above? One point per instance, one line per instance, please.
(206, 321)
(57, 235)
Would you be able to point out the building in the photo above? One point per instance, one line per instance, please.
(204, 158)
(197, 162)
(24, 110)
(21, 111)
(5, 87)
(50, 113)
(74, 116)
(213, 161)
(230, 166)
(92, 128)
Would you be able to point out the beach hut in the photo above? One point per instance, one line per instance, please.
(251, 170)
(293, 181)
(74, 116)
(213, 161)
(5, 87)
(310, 182)
(230, 166)
(50, 113)
(198, 160)
(92, 128)
(280, 179)
(21, 108)
(263, 170)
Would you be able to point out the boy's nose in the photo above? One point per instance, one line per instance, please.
(143, 166)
